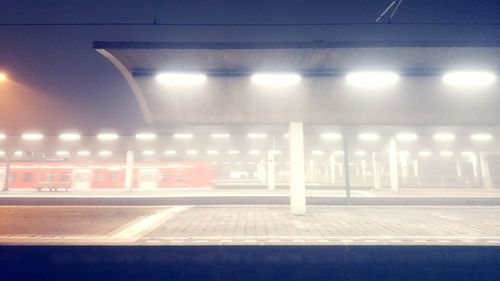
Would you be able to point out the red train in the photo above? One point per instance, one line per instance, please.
(80, 176)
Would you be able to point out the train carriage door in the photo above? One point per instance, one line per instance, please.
(81, 178)
(148, 178)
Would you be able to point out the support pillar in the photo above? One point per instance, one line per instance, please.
(332, 167)
(129, 171)
(376, 172)
(297, 173)
(459, 168)
(6, 177)
(271, 170)
(261, 172)
(347, 174)
(393, 164)
(485, 170)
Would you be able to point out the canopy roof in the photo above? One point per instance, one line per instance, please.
(323, 97)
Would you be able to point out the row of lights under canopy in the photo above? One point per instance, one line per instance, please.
(363, 79)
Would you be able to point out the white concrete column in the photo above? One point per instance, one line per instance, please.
(271, 170)
(297, 174)
(376, 172)
(332, 164)
(404, 164)
(393, 164)
(485, 170)
(129, 171)
(261, 172)
(415, 168)
(459, 168)
(475, 166)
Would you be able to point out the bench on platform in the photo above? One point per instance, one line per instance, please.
(53, 186)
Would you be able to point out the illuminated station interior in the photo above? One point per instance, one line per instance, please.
(270, 117)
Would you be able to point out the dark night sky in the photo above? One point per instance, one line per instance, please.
(59, 81)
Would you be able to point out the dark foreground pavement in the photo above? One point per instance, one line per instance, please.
(290, 263)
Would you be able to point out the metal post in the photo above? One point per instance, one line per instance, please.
(346, 170)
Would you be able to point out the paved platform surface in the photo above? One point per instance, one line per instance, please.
(250, 225)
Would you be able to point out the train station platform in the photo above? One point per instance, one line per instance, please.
(249, 225)
(253, 196)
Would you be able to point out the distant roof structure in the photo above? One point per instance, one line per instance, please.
(229, 97)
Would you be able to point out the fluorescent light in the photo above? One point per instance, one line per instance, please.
(32, 136)
(18, 153)
(105, 153)
(191, 152)
(254, 152)
(233, 152)
(276, 152)
(83, 153)
(468, 153)
(107, 136)
(317, 152)
(212, 152)
(181, 78)
(469, 79)
(3, 76)
(286, 136)
(69, 136)
(2, 136)
(425, 153)
(183, 136)
(170, 152)
(331, 136)
(372, 79)
(145, 136)
(148, 152)
(446, 153)
(360, 153)
(220, 136)
(276, 79)
(368, 137)
(481, 137)
(406, 137)
(62, 153)
(256, 136)
(444, 137)
(2, 152)
(338, 152)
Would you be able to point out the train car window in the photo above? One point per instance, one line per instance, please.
(99, 177)
(65, 177)
(12, 177)
(164, 177)
(180, 176)
(49, 177)
(114, 177)
(28, 177)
